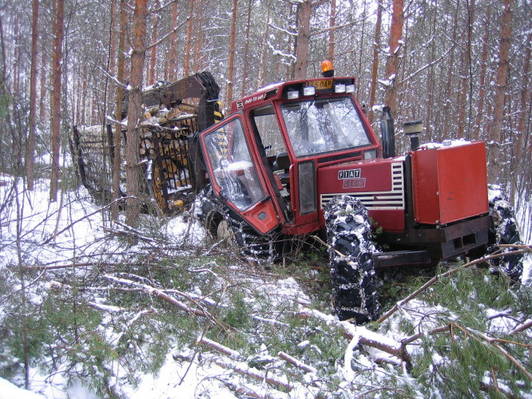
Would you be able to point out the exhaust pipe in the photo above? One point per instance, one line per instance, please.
(387, 133)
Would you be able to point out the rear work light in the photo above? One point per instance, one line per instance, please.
(339, 88)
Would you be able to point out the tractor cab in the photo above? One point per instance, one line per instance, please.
(264, 159)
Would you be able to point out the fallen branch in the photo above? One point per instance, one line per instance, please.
(253, 373)
(433, 280)
(521, 327)
(199, 311)
(73, 265)
(295, 362)
(219, 347)
(493, 342)
(365, 336)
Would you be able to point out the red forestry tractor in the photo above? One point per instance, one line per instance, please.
(298, 158)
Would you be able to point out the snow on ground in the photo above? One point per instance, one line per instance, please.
(74, 228)
(50, 232)
(182, 379)
(10, 391)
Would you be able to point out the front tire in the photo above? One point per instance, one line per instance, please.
(352, 272)
(223, 223)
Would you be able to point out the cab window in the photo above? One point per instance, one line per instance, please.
(232, 165)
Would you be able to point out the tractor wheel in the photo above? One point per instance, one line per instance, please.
(352, 273)
(503, 230)
(223, 223)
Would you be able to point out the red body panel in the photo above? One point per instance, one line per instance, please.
(449, 183)
(379, 184)
(262, 216)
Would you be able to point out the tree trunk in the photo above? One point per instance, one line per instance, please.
(117, 136)
(245, 72)
(477, 129)
(429, 123)
(522, 154)
(172, 54)
(464, 100)
(231, 55)
(495, 131)
(30, 149)
(153, 51)
(396, 31)
(264, 52)
(199, 19)
(55, 128)
(188, 40)
(134, 112)
(360, 68)
(304, 12)
(332, 23)
(446, 114)
(375, 63)
(42, 80)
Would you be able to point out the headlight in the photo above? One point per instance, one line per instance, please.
(339, 88)
(372, 154)
(292, 94)
(307, 188)
(350, 88)
(309, 91)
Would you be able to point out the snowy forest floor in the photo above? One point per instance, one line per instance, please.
(99, 310)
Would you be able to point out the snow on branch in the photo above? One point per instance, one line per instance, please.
(297, 363)
(365, 336)
(244, 369)
(197, 310)
(280, 53)
(282, 29)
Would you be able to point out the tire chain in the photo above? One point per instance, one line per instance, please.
(353, 276)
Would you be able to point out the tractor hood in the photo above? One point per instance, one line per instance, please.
(378, 184)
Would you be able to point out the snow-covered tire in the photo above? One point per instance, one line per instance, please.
(213, 214)
(503, 230)
(352, 272)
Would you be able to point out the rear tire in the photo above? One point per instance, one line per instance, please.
(352, 272)
(503, 230)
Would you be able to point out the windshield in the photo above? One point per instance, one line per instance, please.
(322, 126)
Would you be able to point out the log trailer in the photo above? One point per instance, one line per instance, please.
(300, 158)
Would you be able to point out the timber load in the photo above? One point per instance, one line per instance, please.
(173, 113)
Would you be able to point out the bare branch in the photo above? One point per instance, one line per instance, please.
(167, 35)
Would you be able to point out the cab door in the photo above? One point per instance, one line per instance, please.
(234, 176)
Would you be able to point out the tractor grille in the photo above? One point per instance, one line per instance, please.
(379, 200)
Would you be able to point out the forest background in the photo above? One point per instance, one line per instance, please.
(462, 66)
